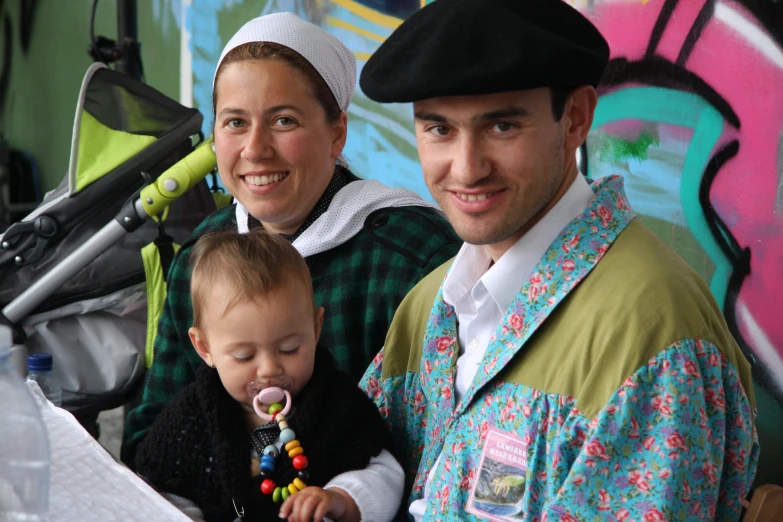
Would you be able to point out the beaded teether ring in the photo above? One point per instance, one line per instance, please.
(276, 412)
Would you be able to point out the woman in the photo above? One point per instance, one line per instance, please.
(281, 91)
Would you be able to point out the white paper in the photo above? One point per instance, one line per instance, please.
(87, 484)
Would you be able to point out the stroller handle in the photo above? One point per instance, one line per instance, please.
(153, 199)
(179, 178)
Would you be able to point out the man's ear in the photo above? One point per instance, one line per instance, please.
(578, 116)
(319, 322)
(202, 348)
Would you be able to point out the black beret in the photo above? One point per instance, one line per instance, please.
(470, 47)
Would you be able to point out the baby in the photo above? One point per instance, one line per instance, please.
(270, 427)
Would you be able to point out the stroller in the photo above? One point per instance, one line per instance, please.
(83, 276)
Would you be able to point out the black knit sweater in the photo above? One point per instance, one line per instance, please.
(199, 446)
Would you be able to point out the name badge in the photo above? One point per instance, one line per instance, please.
(499, 486)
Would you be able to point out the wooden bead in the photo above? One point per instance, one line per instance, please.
(284, 493)
(280, 418)
(271, 450)
(300, 462)
(296, 452)
(299, 484)
(274, 408)
(277, 495)
(283, 425)
(292, 489)
(304, 475)
(268, 486)
(287, 435)
(293, 444)
(268, 463)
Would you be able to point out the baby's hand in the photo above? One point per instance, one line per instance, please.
(313, 504)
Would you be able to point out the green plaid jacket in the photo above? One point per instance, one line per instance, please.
(360, 283)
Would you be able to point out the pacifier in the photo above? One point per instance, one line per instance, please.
(268, 396)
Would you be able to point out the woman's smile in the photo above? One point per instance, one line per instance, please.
(261, 184)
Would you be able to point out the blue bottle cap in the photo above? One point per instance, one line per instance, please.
(39, 362)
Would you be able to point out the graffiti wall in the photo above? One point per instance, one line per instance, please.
(690, 112)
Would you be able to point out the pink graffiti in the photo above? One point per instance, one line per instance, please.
(737, 58)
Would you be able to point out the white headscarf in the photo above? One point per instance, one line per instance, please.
(331, 58)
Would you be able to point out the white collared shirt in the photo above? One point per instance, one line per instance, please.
(481, 294)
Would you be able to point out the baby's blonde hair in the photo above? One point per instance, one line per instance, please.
(251, 265)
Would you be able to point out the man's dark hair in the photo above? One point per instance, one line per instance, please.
(559, 97)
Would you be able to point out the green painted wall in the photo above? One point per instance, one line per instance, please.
(38, 113)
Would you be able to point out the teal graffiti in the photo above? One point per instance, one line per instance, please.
(660, 105)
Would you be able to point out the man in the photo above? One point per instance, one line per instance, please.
(566, 365)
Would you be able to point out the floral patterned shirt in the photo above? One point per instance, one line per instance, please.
(613, 368)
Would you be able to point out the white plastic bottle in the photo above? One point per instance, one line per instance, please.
(39, 367)
(24, 446)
